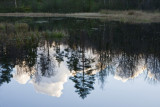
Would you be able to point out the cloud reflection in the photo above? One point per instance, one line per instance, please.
(51, 82)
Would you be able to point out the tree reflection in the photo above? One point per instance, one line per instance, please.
(83, 84)
(5, 70)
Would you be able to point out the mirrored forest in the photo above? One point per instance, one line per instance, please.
(47, 53)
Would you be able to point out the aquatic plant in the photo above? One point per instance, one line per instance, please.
(131, 13)
(2, 26)
(20, 34)
(21, 27)
(55, 34)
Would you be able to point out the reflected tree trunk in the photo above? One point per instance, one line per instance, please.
(15, 2)
(104, 3)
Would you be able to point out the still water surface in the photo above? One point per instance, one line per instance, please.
(96, 63)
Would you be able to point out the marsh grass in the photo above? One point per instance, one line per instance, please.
(2, 27)
(132, 16)
(21, 27)
(59, 34)
(19, 34)
(17, 27)
(131, 13)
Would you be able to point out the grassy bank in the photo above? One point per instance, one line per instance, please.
(130, 16)
(133, 16)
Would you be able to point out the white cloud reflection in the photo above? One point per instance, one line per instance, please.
(121, 74)
(51, 84)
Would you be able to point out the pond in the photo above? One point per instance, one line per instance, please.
(47, 62)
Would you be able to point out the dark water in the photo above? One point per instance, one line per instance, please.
(97, 63)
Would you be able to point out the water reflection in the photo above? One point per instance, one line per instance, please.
(124, 51)
(47, 75)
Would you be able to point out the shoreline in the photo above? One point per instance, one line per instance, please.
(122, 16)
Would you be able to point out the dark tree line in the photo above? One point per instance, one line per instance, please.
(76, 6)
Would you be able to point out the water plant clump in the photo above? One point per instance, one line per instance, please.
(17, 27)
(59, 34)
(20, 34)
(2, 27)
(21, 27)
